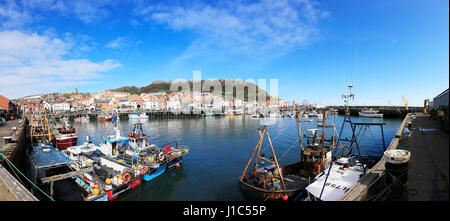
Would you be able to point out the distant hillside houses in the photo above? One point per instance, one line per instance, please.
(124, 101)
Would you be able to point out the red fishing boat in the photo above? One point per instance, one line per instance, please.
(104, 117)
(66, 137)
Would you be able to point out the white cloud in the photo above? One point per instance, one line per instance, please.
(15, 14)
(272, 27)
(31, 63)
(117, 43)
(11, 15)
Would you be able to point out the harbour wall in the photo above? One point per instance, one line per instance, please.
(13, 144)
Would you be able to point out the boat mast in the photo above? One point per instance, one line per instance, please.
(299, 131)
(348, 98)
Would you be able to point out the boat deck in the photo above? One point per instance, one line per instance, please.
(53, 158)
(294, 181)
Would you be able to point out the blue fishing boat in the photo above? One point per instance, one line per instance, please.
(158, 171)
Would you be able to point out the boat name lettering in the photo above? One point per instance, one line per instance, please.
(339, 187)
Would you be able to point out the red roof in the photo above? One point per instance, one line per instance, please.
(4, 103)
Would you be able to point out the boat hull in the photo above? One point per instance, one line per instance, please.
(104, 119)
(370, 115)
(174, 163)
(137, 117)
(294, 187)
(252, 193)
(159, 171)
(64, 142)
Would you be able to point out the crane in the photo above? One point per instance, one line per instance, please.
(406, 103)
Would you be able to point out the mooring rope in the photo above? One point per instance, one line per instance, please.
(295, 142)
(1, 154)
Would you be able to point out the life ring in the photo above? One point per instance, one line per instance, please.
(143, 170)
(161, 156)
(171, 157)
(126, 178)
(131, 134)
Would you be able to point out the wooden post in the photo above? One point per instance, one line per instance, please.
(51, 189)
(299, 130)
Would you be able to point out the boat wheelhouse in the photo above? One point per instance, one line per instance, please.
(137, 115)
(156, 159)
(66, 137)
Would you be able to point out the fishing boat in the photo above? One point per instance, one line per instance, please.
(110, 176)
(347, 169)
(148, 154)
(156, 159)
(84, 119)
(270, 182)
(332, 112)
(175, 153)
(228, 114)
(113, 147)
(273, 182)
(370, 113)
(137, 115)
(50, 170)
(103, 117)
(66, 136)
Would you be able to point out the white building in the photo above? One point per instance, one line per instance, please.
(61, 107)
(173, 105)
(47, 105)
(151, 105)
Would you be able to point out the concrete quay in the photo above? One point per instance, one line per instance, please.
(428, 168)
(13, 145)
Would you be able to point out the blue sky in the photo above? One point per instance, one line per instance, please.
(388, 49)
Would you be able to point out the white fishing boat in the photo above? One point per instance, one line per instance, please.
(84, 119)
(343, 175)
(137, 115)
(370, 113)
(111, 176)
(347, 170)
(332, 112)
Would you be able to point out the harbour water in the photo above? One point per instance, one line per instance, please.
(219, 148)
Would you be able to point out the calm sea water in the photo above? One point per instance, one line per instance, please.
(219, 150)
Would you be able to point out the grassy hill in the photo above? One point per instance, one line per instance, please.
(164, 86)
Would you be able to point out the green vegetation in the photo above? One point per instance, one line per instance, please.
(162, 86)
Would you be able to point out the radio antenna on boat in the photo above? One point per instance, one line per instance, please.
(348, 98)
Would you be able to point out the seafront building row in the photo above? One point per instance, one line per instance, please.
(160, 101)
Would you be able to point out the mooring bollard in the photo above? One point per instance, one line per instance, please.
(397, 168)
(7, 140)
